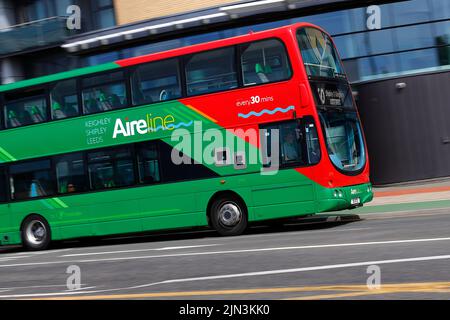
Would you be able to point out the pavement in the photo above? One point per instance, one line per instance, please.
(402, 239)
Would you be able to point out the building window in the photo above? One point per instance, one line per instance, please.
(103, 14)
(264, 61)
(148, 163)
(31, 179)
(111, 168)
(25, 109)
(155, 82)
(211, 71)
(104, 92)
(64, 99)
(70, 173)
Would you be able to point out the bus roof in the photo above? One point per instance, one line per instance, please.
(152, 57)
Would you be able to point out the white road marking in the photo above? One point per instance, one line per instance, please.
(256, 250)
(28, 253)
(8, 258)
(316, 268)
(80, 289)
(237, 275)
(137, 250)
(36, 287)
(290, 232)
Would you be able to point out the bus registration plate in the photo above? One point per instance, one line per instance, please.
(355, 201)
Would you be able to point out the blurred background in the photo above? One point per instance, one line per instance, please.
(396, 55)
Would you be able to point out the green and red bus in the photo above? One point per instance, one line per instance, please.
(90, 152)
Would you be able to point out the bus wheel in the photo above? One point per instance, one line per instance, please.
(229, 216)
(36, 233)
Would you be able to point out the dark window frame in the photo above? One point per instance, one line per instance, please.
(125, 80)
(338, 76)
(52, 85)
(51, 174)
(186, 59)
(4, 182)
(350, 173)
(300, 122)
(55, 161)
(114, 161)
(289, 62)
(44, 95)
(139, 145)
(180, 67)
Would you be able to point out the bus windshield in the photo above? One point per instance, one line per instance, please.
(344, 139)
(319, 55)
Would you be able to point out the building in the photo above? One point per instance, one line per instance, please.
(396, 53)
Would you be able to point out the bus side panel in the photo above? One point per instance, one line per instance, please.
(285, 194)
(83, 215)
(7, 234)
(170, 205)
(114, 211)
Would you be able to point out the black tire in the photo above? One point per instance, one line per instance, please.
(36, 233)
(232, 208)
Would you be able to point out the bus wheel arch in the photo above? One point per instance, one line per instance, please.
(227, 213)
(35, 232)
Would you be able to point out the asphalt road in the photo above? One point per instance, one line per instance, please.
(308, 259)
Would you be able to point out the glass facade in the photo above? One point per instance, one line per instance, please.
(96, 14)
(414, 37)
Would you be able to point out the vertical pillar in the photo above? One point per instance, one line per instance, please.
(10, 68)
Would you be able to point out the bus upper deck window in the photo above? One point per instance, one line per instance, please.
(211, 71)
(155, 82)
(104, 92)
(25, 108)
(264, 61)
(64, 99)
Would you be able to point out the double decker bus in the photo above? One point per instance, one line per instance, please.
(96, 151)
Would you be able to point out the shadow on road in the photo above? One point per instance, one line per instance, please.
(316, 222)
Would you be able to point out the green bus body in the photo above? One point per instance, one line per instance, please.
(159, 206)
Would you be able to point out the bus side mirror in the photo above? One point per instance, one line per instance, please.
(304, 96)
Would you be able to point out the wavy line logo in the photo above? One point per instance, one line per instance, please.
(265, 111)
(172, 126)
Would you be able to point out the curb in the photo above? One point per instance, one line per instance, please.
(410, 191)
